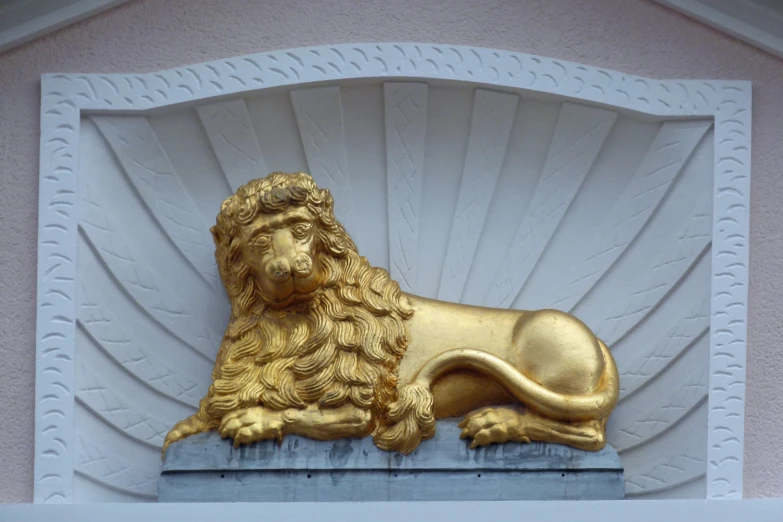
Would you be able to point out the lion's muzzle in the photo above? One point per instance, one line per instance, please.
(280, 269)
(302, 265)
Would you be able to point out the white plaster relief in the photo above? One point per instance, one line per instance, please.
(650, 268)
(578, 138)
(64, 96)
(141, 282)
(490, 129)
(531, 134)
(670, 460)
(99, 396)
(449, 113)
(138, 150)
(132, 337)
(319, 114)
(648, 359)
(652, 279)
(232, 137)
(664, 402)
(645, 191)
(112, 469)
(405, 128)
(136, 358)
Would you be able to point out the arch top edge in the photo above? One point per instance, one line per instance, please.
(393, 61)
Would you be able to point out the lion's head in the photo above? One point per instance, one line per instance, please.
(276, 240)
(312, 321)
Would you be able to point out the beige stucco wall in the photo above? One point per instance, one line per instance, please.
(633, 36)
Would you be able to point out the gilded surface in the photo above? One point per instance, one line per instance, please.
(323, 345)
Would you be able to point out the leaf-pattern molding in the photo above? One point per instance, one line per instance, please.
(620, 198)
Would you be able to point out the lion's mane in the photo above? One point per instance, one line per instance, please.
(341, 347)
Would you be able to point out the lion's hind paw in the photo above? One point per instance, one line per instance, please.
(492, 425)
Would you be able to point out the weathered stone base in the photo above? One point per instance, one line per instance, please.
(205, 468)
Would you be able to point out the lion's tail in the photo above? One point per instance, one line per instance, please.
(411, 418)
(596, 405)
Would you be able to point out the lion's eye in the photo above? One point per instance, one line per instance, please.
(262, 241)
(300, 230)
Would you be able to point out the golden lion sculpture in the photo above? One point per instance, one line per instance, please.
(323, 345)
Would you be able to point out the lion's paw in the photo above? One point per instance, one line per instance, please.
(492, 425)
(184, 428)
(252, 425)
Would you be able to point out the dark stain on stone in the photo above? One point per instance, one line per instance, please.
(398, 459)
(491, 452)
(336, 476)
(340, 452)
(264, 451)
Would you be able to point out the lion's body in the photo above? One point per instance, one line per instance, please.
(324, 345)
(550, 347)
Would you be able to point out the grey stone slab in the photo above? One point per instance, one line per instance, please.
(207, 468)
(370, 486)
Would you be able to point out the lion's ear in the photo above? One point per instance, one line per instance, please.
(216, 236)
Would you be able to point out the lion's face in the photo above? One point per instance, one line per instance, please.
(281, 251)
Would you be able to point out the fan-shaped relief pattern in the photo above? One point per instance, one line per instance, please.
(103, 399)
(179, 134)
(578, 138)
(128, 336)
(363, 111)
(111, 469)
(232, 137)
(651, 267)
(525, 157)
(118, 463)
(449, 113)
(571, 206)
(663, 402)
(140, 281)
(137, 148)
(86, 490)
(642, 194)
(319, 115)
(671, 461)
(490, 129)
(405, 118)
(661, 338)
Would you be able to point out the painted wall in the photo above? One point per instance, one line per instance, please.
(633, 36)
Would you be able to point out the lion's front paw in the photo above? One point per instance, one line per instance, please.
(492, 425)
(252, 425)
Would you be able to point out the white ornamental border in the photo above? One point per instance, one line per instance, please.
(64, 96)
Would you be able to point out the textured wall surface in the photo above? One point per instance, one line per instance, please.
(636, 37)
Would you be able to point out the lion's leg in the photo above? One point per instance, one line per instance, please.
(248, 425)
(508, 423)
(254, 424)
(346, 421)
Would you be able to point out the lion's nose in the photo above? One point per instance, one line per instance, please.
(302, 265)
(278, 269)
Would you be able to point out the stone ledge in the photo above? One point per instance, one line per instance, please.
(207, 468)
